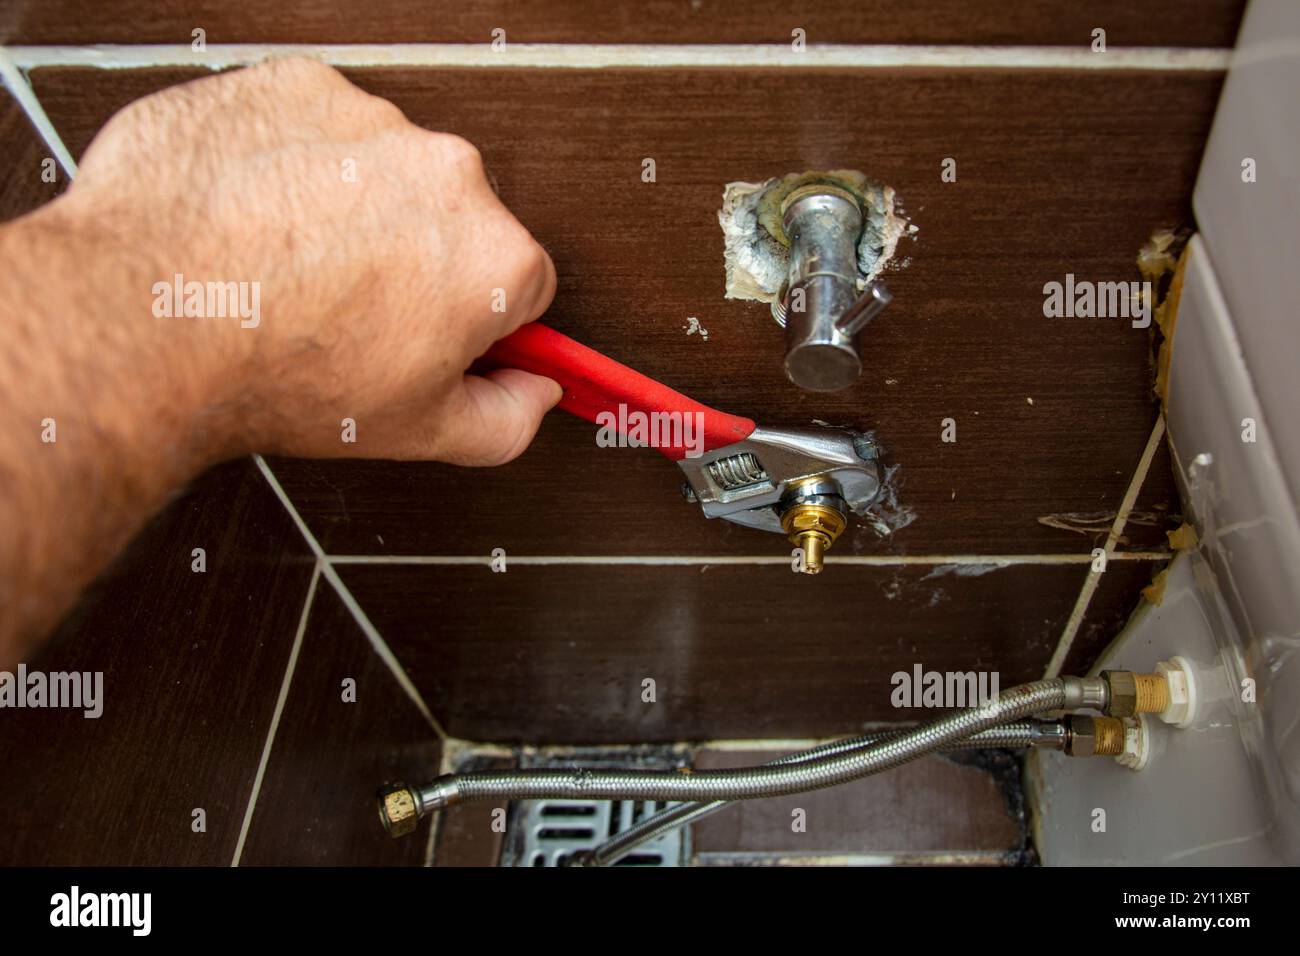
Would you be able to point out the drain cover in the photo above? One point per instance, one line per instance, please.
(547, 832)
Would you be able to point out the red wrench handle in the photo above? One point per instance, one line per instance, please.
(594, 383)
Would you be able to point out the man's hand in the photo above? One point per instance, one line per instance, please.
(386, 263)
(332, 261)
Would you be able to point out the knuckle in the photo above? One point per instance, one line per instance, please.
(384, 109)
(523, 249)
(527, 272)
(534, 263)
(443, 156)
(460, 151)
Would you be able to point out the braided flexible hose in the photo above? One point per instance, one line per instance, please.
(750, 782)
(1012, 736)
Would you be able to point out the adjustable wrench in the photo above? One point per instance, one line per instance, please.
(799, 481)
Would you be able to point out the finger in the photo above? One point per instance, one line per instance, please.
(492, 418)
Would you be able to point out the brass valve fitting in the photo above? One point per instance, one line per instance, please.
(813, 525)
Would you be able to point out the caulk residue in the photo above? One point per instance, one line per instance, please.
(693, 327)
(886, 514)
(964, 570)
(757, 253)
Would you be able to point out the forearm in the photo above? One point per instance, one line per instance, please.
(104, 414)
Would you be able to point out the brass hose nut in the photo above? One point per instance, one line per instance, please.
(814, 528)
(1122, 699)
(1094, 736)
(399, 809)
(1081, 736)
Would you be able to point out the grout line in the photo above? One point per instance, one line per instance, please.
(382, 649)
(358, 615)
(276, 487)
(285, 682)
(1093, 579)
(31, 106)
(881, 561)
(594, 56)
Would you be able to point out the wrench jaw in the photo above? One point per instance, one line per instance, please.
(792, 481)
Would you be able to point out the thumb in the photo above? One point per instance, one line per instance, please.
(492, 418)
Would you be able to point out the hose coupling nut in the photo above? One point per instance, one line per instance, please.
(399, 809)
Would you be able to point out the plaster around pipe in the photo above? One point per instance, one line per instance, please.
(757, 250)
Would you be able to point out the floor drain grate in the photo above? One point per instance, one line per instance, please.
(548, 832)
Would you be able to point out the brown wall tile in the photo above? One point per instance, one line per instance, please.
(191, 667)
(1074, 179)
(317, 802)
(1192, 23)
(557, 654)
(950, 808)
